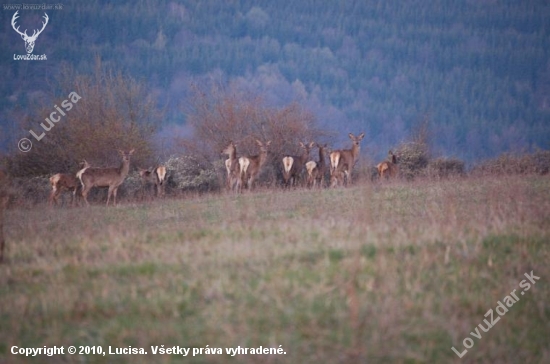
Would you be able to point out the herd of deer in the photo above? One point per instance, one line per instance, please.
(242, 171)
(88, 177)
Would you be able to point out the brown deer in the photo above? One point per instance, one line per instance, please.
(232, 167)
(250, 166)
(3, 204)
(389, 168)
(342, 161)
(293, 165)
(61, 182)
(316, 170)
(154, 176)
(106, 177)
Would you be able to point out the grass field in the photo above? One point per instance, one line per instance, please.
(376, 273)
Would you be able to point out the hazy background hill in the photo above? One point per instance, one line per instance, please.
(479, 71)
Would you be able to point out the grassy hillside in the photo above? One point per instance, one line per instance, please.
(375, 273)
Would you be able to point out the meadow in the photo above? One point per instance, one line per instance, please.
(377, 272)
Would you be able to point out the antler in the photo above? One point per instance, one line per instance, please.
(24, 34)
(14, 17)
(43, 26)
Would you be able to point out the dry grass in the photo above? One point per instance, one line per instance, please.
(389, 272)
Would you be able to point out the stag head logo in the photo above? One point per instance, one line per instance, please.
(29, 41)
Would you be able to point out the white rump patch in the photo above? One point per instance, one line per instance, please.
(287, 163)
(310, 166)
(161, 173)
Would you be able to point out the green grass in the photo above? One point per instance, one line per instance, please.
(397, 272)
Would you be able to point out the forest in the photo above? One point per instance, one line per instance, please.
(477, 71)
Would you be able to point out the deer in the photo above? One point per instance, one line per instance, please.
(389, 168)
(342, 161)
(154, 176)
(232, 167)
(3, 205)
(29, 41)
(61, 182)
(316, 170)
(106, 177)
(293, 165)
(250, 166)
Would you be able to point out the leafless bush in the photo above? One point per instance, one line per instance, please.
(445, 167)
(218, 116)
(113, 112)
(506, 164)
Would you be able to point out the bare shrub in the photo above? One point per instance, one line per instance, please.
(113, 112)
(218, 115)
(508, 164)
(445, 167)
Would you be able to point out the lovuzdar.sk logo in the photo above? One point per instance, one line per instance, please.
(29, 40)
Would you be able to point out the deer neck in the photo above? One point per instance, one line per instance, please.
(262, 159)
(321, 156)
(124, 168)
(304, 156)
(355, 151)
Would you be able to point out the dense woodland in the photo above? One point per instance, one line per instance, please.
(478, 71)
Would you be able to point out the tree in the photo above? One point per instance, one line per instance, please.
(96, 115)
(220, 114)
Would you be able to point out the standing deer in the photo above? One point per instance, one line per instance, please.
(232, 167)
(388, 169)
(61, 182)
(249, 167)
(3, 204)
(316, 170)
(293, 165)
(154, 176)
(106, 177)
(342, 161)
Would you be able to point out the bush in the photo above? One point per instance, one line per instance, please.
(445, 167)
(535, 163)
(413, 158)
(108, 112)
(218, 116)
(186, 173)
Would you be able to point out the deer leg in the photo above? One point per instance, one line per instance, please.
(85, 190)
(114, 194)
(109, 193)
(51, 198)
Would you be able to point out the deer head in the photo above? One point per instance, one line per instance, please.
(29, 41)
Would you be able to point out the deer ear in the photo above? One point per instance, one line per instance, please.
(131, 152)
(268, 143)
(311, 144)
(302, 145)
(361, 136)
